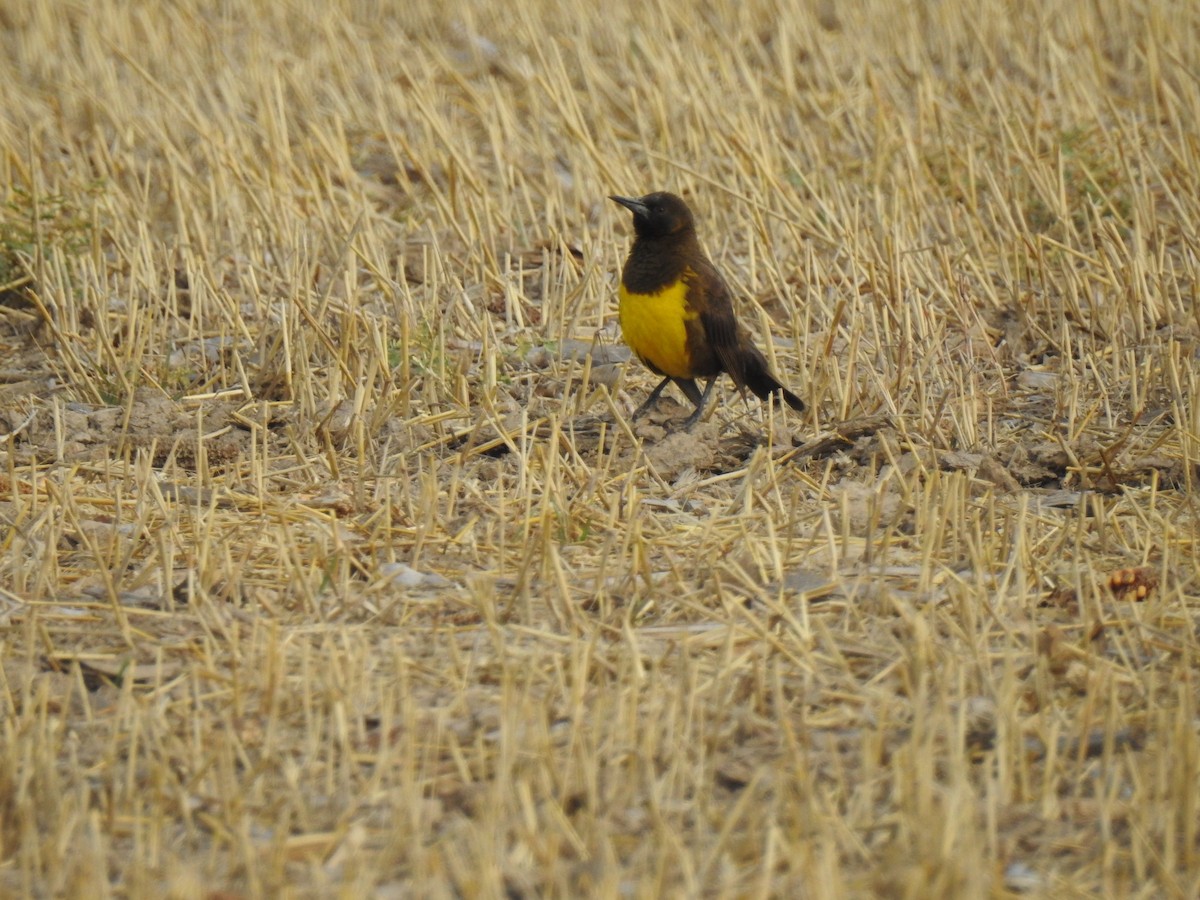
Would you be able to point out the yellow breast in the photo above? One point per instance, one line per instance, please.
(654, 326)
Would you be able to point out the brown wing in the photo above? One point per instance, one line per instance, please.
(730, 344)
(719, 323)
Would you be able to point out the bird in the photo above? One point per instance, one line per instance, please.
(676, 311)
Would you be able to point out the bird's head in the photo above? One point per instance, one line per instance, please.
(658, 215)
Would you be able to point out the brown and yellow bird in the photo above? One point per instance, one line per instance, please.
(676, 311)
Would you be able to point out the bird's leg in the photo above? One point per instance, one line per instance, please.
(654, 395)
(701, 400)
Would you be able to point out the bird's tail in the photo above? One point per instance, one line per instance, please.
(759, 379)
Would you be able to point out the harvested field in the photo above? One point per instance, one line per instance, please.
(333, 565)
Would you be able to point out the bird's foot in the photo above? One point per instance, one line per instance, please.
(642, 410)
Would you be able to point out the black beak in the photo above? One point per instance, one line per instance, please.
(637, 207)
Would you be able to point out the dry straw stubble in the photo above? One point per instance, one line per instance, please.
(330, 564)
